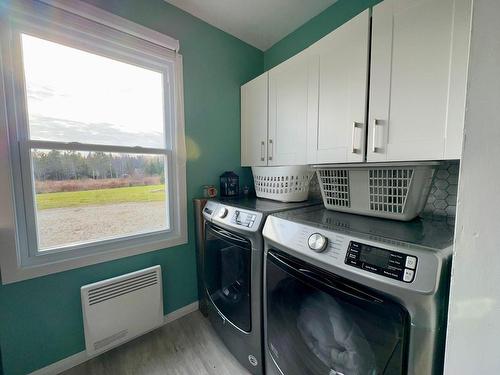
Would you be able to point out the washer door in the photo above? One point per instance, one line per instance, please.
(227, 275)
(320, 323)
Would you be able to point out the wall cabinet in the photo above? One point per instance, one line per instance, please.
(254, 101)
(337, 133)
(418, 79)
(274, 112)
(312, 108)
(289, 105)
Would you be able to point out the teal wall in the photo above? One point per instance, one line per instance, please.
(319, 26)
(41, 319)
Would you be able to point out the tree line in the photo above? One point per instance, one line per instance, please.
(58, 165)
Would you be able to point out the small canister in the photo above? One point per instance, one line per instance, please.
(209, 191)
(229, 184)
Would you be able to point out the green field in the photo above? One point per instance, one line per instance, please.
(150, 193)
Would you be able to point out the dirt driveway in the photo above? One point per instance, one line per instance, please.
(58, 226)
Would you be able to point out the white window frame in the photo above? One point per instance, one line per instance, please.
(82, 26)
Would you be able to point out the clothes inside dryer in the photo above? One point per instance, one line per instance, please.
(333, 336)
(320, 325)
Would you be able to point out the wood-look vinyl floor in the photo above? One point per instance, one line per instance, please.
(187, 346)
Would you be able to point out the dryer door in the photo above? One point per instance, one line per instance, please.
(227, 275)
(320, 324)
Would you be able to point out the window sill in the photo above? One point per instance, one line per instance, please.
(13, 272)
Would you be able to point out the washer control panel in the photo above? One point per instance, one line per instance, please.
(245, 219)
(384, 262)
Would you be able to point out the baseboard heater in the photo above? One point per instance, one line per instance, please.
(119, 309)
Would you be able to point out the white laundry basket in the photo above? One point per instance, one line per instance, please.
(393, 191)
(285, 184)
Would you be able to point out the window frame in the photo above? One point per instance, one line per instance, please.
(109, 40)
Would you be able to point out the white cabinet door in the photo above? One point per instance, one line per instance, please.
(338, 135)
(418, 79)
(254, 102)
(289, 105)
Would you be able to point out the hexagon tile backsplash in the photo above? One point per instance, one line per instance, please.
(442, 202)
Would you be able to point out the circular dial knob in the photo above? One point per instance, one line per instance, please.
(317, 242)
(223, 212)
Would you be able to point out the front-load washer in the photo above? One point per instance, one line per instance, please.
(354, 295)
(232, 273)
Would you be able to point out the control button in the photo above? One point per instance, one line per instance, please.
(394, 275)
(352, 262)
(394, 268)
(411, 262)
(223, 211)
(396, 263)
(354, 245)
(370, 268)
(408, 275)
(396, 256)
(317, 242)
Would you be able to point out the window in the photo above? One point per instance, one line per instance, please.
(85, 193)
(95, 124)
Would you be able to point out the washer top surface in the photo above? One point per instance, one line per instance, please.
(437, 235)
(264, 206)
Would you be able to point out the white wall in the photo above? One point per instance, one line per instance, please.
(474, 318)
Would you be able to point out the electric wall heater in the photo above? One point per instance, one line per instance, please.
(119, 309)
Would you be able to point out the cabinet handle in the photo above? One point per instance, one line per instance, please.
(270, 151)
(376, 124)
(355, 125)
(262, 151)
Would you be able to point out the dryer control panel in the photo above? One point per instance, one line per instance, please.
(384, 262)
(379, 264)
(245, 219)
(233, 218)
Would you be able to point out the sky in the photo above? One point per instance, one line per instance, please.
(76, 96)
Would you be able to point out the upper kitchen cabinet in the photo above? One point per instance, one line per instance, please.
(337, 130)
(254, 102)
(419, 60)
(290, 102)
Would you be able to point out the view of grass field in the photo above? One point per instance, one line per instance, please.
(91, 196)
(148, 193)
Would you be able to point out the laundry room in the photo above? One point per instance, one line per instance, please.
(268, 187)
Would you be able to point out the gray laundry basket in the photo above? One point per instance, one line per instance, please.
(393, 191)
